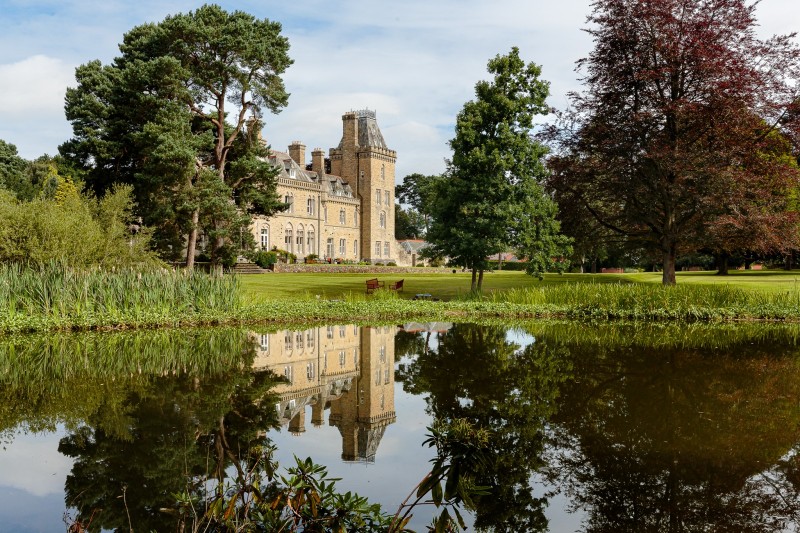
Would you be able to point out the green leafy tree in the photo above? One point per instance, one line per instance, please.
(489, 199)
(419, 192)
(408, 223)
(13, 170)
(182, 102)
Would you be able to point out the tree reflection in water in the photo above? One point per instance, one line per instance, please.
(643, 428)
(475, 373)
(660, 436)
(166, 413)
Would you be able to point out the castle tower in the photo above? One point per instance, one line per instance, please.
(363, 159)
(363, 413)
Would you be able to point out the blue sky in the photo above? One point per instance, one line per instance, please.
(418, 59)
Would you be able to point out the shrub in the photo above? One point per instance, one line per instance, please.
(391, 264)
(284, 255)
(75, 230)
(265, 259)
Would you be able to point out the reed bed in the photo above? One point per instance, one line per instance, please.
(56, 298)
(655, 302)
(61, 296)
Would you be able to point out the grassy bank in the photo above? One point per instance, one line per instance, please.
(59, 299)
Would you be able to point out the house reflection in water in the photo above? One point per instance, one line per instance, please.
(348, 370)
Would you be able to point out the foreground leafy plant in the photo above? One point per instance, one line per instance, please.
(460, 449)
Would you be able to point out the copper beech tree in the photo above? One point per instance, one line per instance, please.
(679, 140)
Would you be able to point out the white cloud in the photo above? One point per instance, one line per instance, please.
(33, 88)
(415, 64)
(32, 104)
(32, 463)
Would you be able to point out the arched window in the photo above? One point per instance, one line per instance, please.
(310, 338)
(288, 238)
(265, 238)
(287, 340)
(300, 238)
(383, 219)
(383, 171)
(355, 217)
(311, 240)
(355, 248)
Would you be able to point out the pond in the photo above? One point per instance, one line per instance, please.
(595, 427)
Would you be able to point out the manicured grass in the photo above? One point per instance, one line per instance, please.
(445, 286)
(448, 286)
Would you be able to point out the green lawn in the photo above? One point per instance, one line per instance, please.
(447, 286)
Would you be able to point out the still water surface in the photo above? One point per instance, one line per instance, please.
(595, 427)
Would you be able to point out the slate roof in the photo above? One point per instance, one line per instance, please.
(413, 246)
(369, 134)
(336, 185)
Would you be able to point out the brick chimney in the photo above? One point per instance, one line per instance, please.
(318, 161)
(297, 151)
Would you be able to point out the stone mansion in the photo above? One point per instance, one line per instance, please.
(340, 207)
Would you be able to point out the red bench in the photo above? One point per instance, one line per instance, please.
(373, 284)
(396, 286)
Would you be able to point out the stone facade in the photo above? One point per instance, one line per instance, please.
(340, 208)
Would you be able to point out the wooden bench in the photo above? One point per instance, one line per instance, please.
(396, 286)
(373, 284)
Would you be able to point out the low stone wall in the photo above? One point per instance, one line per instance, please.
(358, 269)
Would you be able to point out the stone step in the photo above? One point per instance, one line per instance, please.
(248, 268)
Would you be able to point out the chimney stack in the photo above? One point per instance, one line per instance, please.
(318, 161)
(297, 151)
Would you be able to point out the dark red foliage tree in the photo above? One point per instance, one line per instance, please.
(671, 142)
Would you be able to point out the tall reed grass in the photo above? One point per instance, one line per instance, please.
(641, 301)
(61, 295)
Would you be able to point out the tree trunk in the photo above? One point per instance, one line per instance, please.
(474, 278)
(722, 264)
(216, 267)
(480, 280)
(594, 266)
(668, 276)
(788, 261)
(191, 243)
